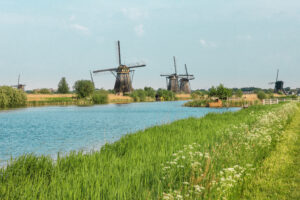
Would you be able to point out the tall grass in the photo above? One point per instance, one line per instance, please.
(205, 158)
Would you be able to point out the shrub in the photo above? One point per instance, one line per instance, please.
(100, 97)
(11, 97)
(138, 95)
(261, 95)
(63, 87)
(84, 88)
(221, 92)
(44, 91)
(166, 95)
(239, 93)
(150, 92)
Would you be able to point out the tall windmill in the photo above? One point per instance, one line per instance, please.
(19, 85)
(278, 84)
(122, 74)
(185, 81)
(172, 79)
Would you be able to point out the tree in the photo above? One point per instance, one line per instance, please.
(239, 93)
(221, 92)
(84, 88)
(261, 95)
(63, 87)
(150, 92)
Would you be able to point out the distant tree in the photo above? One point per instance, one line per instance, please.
(261, 95)
(84, 88)
(63, 87)
(100, 97)
(44, 91)
(150, 92)
(221, 92)
(138, 95)
(239, 93)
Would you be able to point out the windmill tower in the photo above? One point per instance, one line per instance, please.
(172, 79)
(278, 85)
(185, 86)
(122, 74)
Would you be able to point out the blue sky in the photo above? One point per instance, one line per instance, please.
(235, 42)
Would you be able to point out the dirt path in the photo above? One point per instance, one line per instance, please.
(279, 177)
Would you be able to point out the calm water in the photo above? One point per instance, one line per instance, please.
(48, 130)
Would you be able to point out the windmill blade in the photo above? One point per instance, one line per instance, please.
(105, 70)
(186, 70)
(277, 75)
(175, 64)
(136, 66)
(271, 83)
(166, 75)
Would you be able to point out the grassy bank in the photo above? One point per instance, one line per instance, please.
(235, 103)
(208, 158)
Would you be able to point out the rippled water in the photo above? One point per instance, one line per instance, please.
(48, 130)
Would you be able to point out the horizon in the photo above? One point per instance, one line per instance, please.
(238, 44)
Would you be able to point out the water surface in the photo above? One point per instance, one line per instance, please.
(48, 130)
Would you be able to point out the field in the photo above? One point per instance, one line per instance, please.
(220, 156)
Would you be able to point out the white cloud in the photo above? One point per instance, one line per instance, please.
(134, 13)
(206, 43)
(139, 30)
(80, 28)
(72, 17)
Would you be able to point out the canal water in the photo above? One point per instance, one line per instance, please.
(49, 130)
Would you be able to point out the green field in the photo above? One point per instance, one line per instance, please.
(220, 156)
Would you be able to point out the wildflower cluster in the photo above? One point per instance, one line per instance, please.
(183, 176)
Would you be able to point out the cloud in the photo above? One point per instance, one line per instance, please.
(80, 28)
(139, 30)
(72, 17)
(134, 13)
(205, 43)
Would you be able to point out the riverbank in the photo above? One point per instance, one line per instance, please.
(70, 99)
(208, 158)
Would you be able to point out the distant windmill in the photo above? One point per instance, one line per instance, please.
(278, 85)
(172, 79)
(123, 82)
(185, 81)
(19, 85)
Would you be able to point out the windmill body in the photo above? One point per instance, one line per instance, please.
(172, 79)
(123, 83)
(185, 85)
(278, 85)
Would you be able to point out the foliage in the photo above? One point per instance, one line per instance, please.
(197, 103)
(150, 92)
(43, 91)
(138, 95)
(239, 93)
(221, 92)
(100, 97)
(166, 95)
(63, 87)
(208, 158)
(261, 95)
(84, 88)
(197, 94)
(11, 97)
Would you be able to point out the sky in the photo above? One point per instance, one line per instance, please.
(239, 43)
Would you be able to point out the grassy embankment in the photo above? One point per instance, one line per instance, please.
(214, 157)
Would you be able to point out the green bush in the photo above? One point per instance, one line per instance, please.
(166, 95)
(150, 92)
(84, 88)
(138, 95)
(44, 91)
(100, 97)
(221, 92)
(261, 95)
(11, 97)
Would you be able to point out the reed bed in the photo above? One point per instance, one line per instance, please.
(207, 158)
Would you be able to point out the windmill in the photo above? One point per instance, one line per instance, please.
(184, 81)
(122, 74)
(172, 79)
(278, 85)
(19, 85)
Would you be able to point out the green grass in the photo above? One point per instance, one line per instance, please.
(208, 158)
(279, 176)
(236, 103)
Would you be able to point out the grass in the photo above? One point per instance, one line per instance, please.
(235, 103)
(208, 158)
(279, 176)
